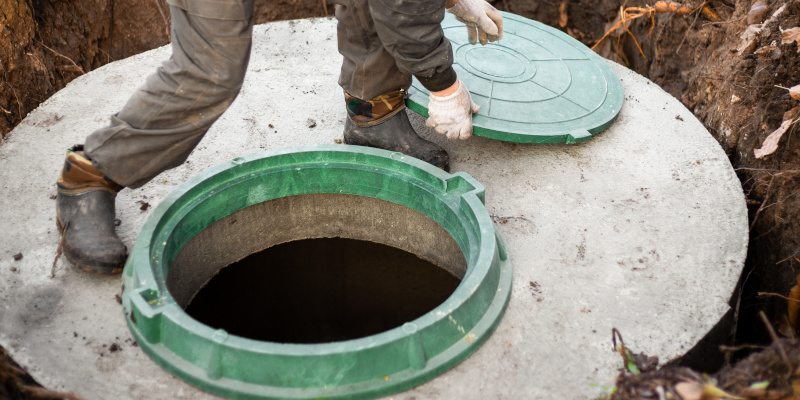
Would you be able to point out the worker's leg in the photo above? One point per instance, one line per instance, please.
(374, 89)
(158, 127)
(166, 118)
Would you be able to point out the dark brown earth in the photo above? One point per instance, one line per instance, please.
(44, 44)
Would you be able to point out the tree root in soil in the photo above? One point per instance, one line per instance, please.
(628, 14)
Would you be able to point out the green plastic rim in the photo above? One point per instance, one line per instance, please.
(536, 85)
(372, 366)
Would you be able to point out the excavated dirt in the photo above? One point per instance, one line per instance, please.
(731, 78)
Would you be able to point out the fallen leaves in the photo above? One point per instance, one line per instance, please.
(757, 12)
(793, 307)
(562, 14)
(791, 35)
(749, 39)
(768, 53)
(771, 142)
(794, 91)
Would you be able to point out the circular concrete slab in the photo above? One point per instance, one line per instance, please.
(643, 228)
(536, 85)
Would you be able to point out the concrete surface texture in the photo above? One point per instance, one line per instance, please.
(642, 228)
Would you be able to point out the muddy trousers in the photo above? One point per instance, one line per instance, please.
(385, 42)
(168, 116)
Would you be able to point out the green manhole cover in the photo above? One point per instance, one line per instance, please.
(268, 200)
(536, 85)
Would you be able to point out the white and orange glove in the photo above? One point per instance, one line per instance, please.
(484, 23)
(450, 111)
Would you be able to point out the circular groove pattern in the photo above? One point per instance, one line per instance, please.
(536, 85)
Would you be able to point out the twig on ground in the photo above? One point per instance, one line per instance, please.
(724, 22)
(777, 295)
(788, 258)
(19, 104)
(58, 251)
(768, 170)
(60, 55)
(726, 349)
(777, 341)
(628, 14)
(703, 6)
(621, 348)
(70, 68)
(763, 203)
(5, 111)
(164, 17)
(324, 6)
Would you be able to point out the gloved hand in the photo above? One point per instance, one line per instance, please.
(483, 21)
(451, 115)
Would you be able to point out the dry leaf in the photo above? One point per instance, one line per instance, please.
(735, 99)
(784, 327)
(791, 114)
(795, 92)
(757, 12)
(749, 39)
(689, 390)
(771, 142)
(794, 307)
(768, 52)
(715, 392)
(791, 35)
(562, 14)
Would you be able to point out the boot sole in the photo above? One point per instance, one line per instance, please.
(77, 263)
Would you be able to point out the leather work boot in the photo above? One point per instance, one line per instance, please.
(85, 216)
(396, 134)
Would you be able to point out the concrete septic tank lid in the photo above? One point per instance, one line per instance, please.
(371, 366)
(536, 85)
(643, 229)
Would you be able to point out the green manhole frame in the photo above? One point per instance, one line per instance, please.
(590, 125)
(368, 367)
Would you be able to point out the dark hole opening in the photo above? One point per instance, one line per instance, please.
(321, 290)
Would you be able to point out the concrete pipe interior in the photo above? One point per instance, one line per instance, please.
(316, 268)
(316, 272)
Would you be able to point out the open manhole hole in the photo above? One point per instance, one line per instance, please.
(321, 271)
(320, 291)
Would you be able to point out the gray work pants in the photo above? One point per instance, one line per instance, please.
(383, 42)
(166, 118)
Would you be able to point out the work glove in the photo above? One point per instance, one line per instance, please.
(451, 115)
(483, 21)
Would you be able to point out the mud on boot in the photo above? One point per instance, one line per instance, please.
(396, 134)
(85, 216)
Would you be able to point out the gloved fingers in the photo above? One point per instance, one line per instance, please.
(487, 24)
(475, 107)
(466, 132)
(442, 129)
(482, 36)
(472, 32)
(430, 123)
(497, 18)
(452, 132)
